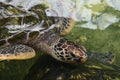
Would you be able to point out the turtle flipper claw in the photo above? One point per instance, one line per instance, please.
(105, 58)
(16, 52)
(109, 57)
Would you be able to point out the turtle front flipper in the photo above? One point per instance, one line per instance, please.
(16, 52)
(105, 58)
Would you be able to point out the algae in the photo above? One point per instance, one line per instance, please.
(97, 41)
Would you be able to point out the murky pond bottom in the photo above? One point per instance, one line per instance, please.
(44, 67)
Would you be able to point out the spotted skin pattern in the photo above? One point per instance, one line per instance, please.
(69, 51)
(59, 48)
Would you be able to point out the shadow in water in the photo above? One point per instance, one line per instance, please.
(47, 68)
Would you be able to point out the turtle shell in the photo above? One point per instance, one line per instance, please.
(21, 26)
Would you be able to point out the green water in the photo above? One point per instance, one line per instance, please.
(44, 67)
(94, 40)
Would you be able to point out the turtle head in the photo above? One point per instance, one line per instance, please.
(70, 52)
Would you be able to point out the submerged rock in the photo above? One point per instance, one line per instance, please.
(106, 20)
(114, 3)
(79, 10)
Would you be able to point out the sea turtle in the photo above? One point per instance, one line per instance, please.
(19, 43)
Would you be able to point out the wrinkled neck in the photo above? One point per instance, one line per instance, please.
(46, 41)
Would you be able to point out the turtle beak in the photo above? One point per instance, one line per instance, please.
(83, 58)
